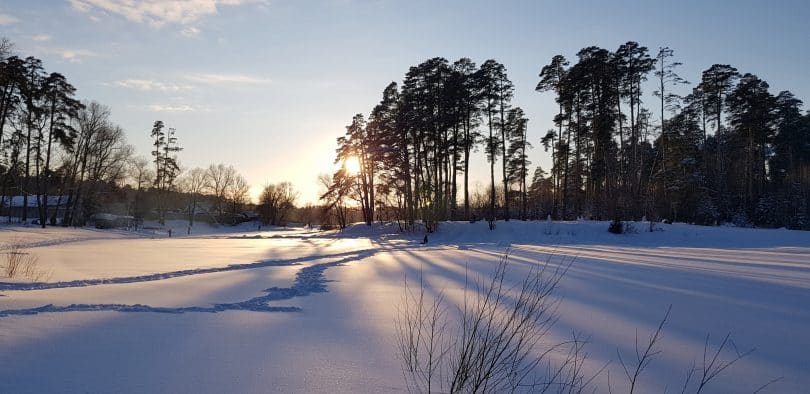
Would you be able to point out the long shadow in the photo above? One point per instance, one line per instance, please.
(708, 266)
(167, 275)
(645, 254)
(308, 280)
(593, 233)
(635, 295)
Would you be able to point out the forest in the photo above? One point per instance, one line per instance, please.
(727, 151)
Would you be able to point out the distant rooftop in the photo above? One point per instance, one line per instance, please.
(17, 201)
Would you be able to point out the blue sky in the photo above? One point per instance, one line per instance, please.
(267, 86)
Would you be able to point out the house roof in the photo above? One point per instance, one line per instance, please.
(17, 201)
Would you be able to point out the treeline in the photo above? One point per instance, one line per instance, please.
(729, 151)
(66, 158)
(63, 161)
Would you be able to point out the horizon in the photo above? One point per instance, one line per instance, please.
(277, 82)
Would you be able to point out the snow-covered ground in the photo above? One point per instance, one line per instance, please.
(293, 310)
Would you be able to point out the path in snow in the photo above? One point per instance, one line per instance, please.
(166, 275)
(309, 280)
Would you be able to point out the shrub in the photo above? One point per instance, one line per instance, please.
(492, 344)
(616, 227)
(19, 261)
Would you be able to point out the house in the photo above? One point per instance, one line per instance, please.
(14, 205)
(109, 220)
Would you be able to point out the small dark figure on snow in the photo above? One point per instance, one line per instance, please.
(424, 241)
(170, 233)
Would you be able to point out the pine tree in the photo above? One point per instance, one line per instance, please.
(12, 79)
(31, 96)
(497, 92)
(716, 84)
(551, 76)
(469, 97)
(360, 144)
(633, 65)
(62, 108)
(751, 119)
(166, 166)
(665, 73)
(518, 162)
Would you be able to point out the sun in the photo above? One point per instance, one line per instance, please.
(352, 165)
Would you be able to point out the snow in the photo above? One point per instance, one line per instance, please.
(294, 310)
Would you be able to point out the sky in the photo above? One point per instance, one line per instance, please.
(267, 86)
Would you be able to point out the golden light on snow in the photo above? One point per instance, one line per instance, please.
(352, 165)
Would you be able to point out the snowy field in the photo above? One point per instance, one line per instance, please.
(293, 310)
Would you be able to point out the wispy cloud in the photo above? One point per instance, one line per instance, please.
(227, 79)
(158, 12)
(76, 55)
(192, 81)
(6, 19)
(41, 37)
(149, 85)
(71, 55)
(190, 32)
(171, 108)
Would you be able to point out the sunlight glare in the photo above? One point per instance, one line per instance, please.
(352, 165)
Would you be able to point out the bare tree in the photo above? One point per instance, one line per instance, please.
(237, 193)
(337, 189)
(139, 171)
(220, 179)
(276, 202)
(193, 183)
(99, 160)
(140, 174)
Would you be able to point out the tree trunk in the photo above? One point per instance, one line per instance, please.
(503, 163)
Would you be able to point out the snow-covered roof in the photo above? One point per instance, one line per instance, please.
(111, 217)
(17, 201)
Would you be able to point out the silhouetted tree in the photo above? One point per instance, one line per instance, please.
(518, 161)
(276, 202)
(166, 166)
